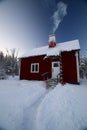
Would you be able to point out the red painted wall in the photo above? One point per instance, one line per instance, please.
(44, 66)
(69, 69)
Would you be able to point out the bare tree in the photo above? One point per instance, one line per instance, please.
(12, 59)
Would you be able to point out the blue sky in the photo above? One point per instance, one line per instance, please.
(26, 24)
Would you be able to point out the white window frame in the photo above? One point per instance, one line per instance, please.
(34, 64)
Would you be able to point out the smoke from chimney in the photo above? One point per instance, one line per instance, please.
(58, 15)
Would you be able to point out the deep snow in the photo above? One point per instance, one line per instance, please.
(28, 105)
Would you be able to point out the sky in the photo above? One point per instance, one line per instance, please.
(27, 24)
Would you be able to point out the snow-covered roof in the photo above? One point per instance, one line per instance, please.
(60, 47)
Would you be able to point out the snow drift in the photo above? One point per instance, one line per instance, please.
(27, 105)
(64, 109)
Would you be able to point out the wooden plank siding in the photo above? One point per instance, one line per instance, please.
(69, 68)
(44, 66)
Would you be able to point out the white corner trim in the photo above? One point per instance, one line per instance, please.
(77, 64)
(20, 68)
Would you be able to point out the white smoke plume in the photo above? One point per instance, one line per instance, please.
(58, 15)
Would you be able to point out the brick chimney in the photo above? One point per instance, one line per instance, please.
(52, 41)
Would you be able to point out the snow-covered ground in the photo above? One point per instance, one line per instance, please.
(27, 105)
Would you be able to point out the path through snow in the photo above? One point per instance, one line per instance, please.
(27, 105)
(64, 108)
(30, 114)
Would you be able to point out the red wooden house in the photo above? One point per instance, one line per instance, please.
(53, 61)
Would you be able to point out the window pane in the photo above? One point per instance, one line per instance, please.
(55, 65)
(36, 67)
(32, 67)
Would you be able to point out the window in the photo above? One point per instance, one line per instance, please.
(35, 68)
(55, 64)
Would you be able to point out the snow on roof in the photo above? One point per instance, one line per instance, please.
(60, 47)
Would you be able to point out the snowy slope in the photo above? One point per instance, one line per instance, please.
(27, 105)
(15, 97)
(64, 108)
